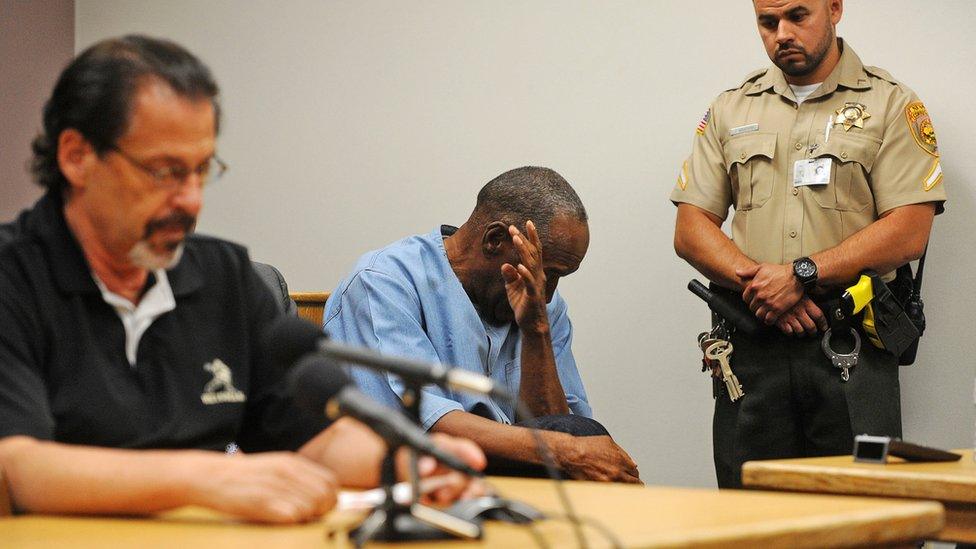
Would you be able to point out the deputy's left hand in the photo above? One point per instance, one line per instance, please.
(771, 290)
(525, 283)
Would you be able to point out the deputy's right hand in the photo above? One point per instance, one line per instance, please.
(595, 458)
(279, 487)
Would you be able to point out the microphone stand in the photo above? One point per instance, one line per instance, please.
(392, 521)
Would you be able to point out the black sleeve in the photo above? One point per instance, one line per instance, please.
(272, 421)
(24, 405)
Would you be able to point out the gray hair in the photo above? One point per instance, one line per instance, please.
(530, 192)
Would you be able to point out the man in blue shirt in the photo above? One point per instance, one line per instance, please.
(482, 297)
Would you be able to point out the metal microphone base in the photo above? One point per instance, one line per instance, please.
(401, 524)
(393, 521)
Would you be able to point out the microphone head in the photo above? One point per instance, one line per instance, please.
(288, 339)
(314, 381)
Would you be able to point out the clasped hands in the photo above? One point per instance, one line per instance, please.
(776, 297)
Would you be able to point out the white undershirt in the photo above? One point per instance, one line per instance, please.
(136, 319)
(802, 92)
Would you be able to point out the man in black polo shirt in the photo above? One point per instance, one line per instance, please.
(128, 346)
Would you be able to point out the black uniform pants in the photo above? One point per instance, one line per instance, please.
(796, 405)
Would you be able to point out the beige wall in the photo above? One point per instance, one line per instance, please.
(37, 39)
(352, 123)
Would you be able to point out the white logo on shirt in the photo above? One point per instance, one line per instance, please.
(221, 388)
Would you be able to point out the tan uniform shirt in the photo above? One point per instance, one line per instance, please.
(870, 131)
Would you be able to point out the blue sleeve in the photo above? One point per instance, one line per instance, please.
(562, 343)
(377, 311)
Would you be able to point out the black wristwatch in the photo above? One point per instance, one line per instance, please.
(805, 271)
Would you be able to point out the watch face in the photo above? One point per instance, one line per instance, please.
(806, 268)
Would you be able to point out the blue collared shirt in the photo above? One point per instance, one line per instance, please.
(405, 300)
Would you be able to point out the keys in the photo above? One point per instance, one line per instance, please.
(719, 351)
(704, 340)
(844, 361)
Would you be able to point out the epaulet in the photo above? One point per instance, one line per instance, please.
(750, 78)
(882, 74)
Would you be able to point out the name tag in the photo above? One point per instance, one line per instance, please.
(812, 171)
(744, 129)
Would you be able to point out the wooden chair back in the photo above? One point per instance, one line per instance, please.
(311, 305)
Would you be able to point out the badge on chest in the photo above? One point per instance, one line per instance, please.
(811, 171)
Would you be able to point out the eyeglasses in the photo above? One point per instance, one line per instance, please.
(171, 177)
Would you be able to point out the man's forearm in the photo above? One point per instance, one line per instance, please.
(883, 246)
(498, 439)
(699, 240)
(49, 477)
(539, 386)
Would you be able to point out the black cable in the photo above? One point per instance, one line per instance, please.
(523, 411)
(597, 525)
(537, 535)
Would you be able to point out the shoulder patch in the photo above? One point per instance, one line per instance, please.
(700, 130)
(920, 124)
(683, 176)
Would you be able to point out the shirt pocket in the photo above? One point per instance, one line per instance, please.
(749, 162)
(852, 158)
(513, 375)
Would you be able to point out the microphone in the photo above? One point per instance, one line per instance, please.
(735, 312)
(289, 338)
(321, 387)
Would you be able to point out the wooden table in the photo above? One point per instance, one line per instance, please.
(640, 517)
(952, 483)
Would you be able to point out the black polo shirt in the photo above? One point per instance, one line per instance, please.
(199, 381)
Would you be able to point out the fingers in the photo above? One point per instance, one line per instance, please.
(280, 488)
(785, 326)
(749, 296)
(451, 485)
(456, 485)
(510, 274)
(529, 247)
(807, 325)
(463, 448)
(630, 478)
(533, 235)
(313, 488)
(761, 312)
(527, 277)
(816, 314)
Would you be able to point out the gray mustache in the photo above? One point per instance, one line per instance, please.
(177, 220)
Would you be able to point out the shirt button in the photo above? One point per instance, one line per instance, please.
(792, 234)
(796, 191)
(843, 154)
(798, 146)
(742, 156)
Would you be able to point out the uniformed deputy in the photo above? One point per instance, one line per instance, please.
(832, 168)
